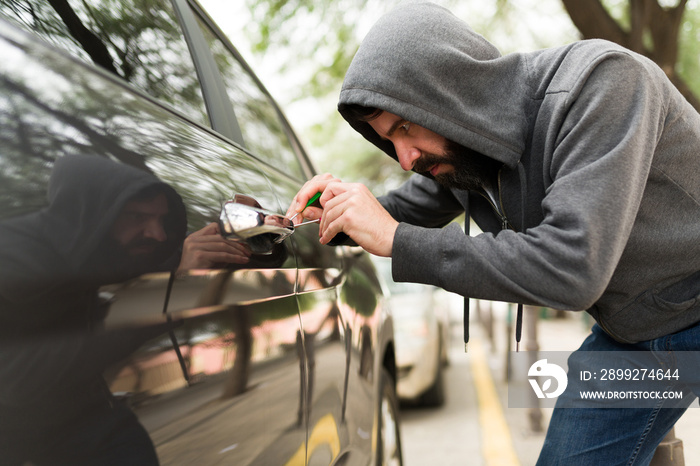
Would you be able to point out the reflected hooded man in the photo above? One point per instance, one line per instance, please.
(105, 223)
(579, 163)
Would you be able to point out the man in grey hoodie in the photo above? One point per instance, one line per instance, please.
(581, 164)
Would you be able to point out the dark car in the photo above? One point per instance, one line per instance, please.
(284, 357)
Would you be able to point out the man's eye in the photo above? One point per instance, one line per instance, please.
(135, 216)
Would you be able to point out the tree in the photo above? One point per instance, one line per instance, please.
(321, 37)
(137, 40)
(324, 31)
(646, 27)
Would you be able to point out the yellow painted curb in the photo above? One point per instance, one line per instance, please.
(496, 441)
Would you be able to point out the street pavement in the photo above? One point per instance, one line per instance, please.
(476, 426)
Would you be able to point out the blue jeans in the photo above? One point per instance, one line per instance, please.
(621, 436)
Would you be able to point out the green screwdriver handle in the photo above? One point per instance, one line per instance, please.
(313, 199)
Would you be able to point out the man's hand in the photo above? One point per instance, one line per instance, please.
(317, 184)
(349, 208)
(206, 249)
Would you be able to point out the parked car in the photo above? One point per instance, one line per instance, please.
(284, 358)
(422, 329)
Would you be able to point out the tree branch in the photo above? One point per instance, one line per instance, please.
(594, 22)
(663, 25)
(90, 42)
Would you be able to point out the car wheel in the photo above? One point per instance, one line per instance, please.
(388, 431)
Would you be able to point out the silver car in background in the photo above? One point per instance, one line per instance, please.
(421, 331)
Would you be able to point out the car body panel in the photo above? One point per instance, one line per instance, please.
(421, 325)
(262, 361)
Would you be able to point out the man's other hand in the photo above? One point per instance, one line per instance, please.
(206, 249)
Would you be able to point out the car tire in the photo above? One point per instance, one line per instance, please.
(388, 429)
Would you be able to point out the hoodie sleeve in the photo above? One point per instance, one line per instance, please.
(603, 132)
(422, 201)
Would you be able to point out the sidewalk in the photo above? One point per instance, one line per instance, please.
(513, 439)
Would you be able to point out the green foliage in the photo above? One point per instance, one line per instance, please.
(360, 292)
(320, 34)
(320, 37)
(619, 10)
(348, 156)
(688, 65)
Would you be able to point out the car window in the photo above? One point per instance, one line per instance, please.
(138, 40)
(72, 112)
(264, 132)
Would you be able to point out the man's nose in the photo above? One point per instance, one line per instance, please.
(155, 230)
(407, 155)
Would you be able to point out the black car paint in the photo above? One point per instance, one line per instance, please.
(281, 364)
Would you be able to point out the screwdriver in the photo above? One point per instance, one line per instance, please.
(313, 199)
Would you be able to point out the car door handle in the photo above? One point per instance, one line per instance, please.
(243, 219)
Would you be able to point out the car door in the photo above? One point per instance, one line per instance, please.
(225, 383)
(242, 376)
(336, 287)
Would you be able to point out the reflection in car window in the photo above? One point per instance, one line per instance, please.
(137, 40)
(72, 112)
(263, 131)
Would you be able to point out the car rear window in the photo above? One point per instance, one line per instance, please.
(138, 40)
(264, 131)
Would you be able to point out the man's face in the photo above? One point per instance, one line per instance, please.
(423, 151)
(139, 229)
(413, 144)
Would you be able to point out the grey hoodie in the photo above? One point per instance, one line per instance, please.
(600, 183)
(53, 348)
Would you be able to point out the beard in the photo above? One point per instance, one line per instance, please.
(142, 247)
(471, 171)
(114, 262)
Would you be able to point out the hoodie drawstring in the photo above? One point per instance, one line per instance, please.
(519, 316)
(466, 299)
(523, 193)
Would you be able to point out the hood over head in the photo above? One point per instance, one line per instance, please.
(87, 193)
(425, 65)
(67, 243)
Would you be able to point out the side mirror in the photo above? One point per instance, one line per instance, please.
(244, 220)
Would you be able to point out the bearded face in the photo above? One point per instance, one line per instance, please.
(470, 169)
